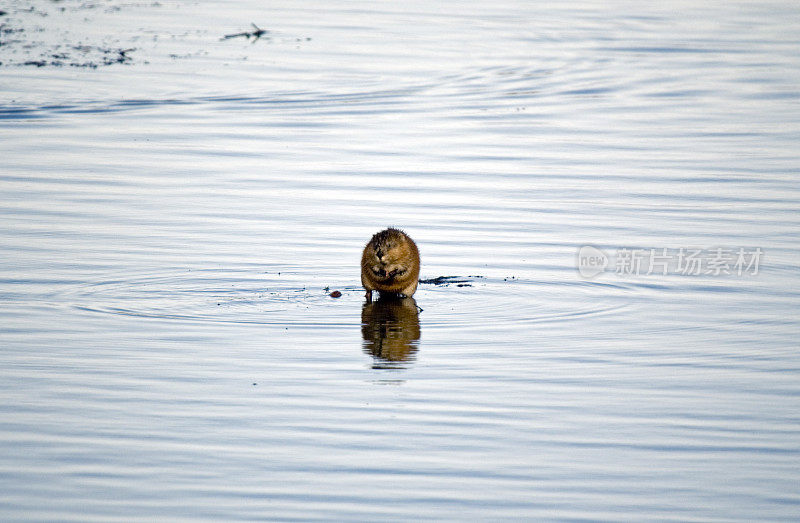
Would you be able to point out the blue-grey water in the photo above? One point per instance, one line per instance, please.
(613, 187)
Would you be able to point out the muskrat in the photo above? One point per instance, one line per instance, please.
(390, 264)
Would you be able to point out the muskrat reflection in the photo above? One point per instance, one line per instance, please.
(390, 327)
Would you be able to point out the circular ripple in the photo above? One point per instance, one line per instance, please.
(246, 296)
(507, 301)
(293, 298)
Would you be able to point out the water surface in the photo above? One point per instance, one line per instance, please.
(173, 224)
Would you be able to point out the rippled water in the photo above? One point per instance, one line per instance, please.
(177, 207)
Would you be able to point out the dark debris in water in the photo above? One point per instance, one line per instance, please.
(460, 281)
(87, 34)
(103, 57)
(255, 34)
(26, 41)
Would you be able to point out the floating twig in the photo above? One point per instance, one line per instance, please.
(444, 280)
(255, 34)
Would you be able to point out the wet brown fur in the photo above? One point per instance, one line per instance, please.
(390, 264)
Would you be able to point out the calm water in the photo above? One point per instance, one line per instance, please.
(176, 208)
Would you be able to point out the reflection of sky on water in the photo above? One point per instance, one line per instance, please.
(172, 228)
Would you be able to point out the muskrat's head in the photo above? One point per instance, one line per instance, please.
(386, 255)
